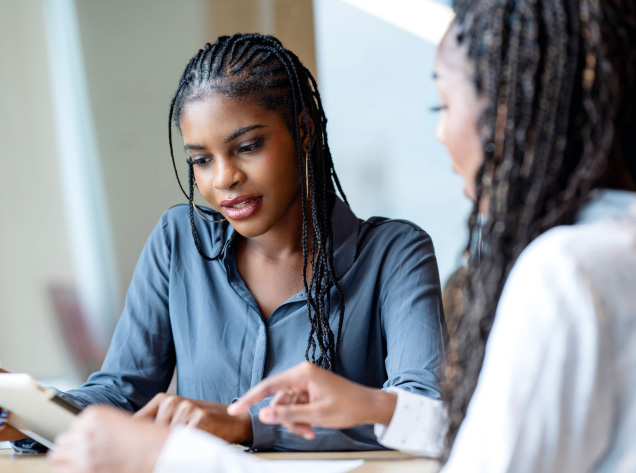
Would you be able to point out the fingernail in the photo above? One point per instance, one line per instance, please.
(307, 437)
(4, 415)
(267, 415)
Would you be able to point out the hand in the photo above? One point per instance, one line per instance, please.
(107, 440)
(8, 433)
(211, 417)
(306, 396)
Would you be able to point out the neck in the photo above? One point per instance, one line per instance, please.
(285, 239)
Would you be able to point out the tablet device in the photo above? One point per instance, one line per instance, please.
(36, 411)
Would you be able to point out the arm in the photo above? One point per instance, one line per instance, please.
(412, 314)
(306, 397)
(544, 400)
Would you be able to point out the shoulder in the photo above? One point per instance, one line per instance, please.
(571, 271)
(581, 251)
(388, 233)
(398, 249)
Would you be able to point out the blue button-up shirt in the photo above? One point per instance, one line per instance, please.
(198, 316)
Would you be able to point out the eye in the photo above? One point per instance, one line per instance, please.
(439, 108)
(200, 161)
(250, 145)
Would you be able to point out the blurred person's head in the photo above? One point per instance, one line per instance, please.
(537, 111)
(255, 133)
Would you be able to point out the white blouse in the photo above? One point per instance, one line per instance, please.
(557, 390)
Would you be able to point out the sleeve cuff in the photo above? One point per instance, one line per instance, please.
(263, 435)
(418, 425)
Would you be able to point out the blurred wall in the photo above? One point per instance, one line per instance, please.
(377, 89)
(33, 238)
(134, 53)
(291, 21)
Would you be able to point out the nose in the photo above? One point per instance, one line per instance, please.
(227, 175)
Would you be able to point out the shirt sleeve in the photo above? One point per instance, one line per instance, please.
(141, 360)
(412, 315)
(543, 402)
(418, 425)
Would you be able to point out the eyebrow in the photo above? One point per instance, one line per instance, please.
(241, 131)
(193, 147)
(234, 135)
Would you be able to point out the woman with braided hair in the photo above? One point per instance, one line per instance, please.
(537, 112)
(277, 271)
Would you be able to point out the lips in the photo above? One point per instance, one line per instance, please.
(241, 207)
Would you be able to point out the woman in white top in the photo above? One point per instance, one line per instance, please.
(537, 106)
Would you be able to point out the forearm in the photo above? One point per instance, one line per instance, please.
(377, 407)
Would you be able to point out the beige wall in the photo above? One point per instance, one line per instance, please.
(134, 53)
(33, 237)
(292, 21)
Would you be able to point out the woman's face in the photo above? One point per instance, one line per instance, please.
(244, 161)
(460, 109)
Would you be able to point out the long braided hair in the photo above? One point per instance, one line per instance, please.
(258, 66)
(559, 79)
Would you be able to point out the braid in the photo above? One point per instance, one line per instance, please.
(258, 66)
(557, 76)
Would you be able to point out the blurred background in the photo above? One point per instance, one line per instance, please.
(85, 87)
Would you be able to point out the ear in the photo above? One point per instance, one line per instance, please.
(306, 128)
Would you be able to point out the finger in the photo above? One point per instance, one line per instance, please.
(183, 413)
(302, 430)
(287, 379)
(166, 410)
(292, 414)
(197, 419)
(149, 411)
(287, 396)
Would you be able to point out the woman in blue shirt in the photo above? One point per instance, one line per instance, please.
(278, 271)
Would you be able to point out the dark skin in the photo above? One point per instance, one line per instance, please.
(272, 278)
(237, 149)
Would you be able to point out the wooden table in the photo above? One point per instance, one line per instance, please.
(375, 462)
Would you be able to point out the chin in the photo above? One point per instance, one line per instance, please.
(470, 194)
(246, 231)
(249, 229)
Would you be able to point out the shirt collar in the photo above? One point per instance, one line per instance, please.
(345, 227)
(608, 204)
